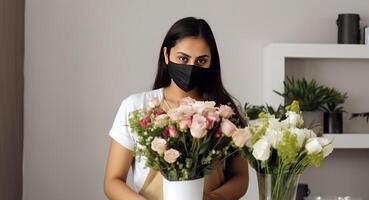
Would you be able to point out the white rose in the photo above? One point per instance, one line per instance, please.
(313, 146)
(203, 106)
(261, 149)
(181, 112)
(159, 145)
(161, 120)
(171, 155)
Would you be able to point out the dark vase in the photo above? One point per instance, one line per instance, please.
(333, 122)
(348, 29)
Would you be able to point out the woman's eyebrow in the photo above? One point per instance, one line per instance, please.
(184, 54)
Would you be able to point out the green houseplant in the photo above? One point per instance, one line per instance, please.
(333, 110)
(362, 115)
(311, 96)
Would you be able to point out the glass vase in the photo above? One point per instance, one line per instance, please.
(281, 186)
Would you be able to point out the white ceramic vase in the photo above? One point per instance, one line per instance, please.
(183, 190)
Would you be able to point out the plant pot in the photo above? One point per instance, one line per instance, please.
(183, 190)
(313, 120)
(277, 186)
(333, 122)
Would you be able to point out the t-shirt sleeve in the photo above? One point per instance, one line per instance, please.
(120, 130)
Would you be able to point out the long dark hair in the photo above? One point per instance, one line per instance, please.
(214, 89)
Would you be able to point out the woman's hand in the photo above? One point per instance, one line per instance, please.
(118, 164)
(237, 179)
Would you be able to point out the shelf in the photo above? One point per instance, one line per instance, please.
(275, 54)
(343, 51)
(274, 57)
(349, 140)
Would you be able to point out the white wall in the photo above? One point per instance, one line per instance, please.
(84, 56)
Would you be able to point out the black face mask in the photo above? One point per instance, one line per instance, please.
(187, 77)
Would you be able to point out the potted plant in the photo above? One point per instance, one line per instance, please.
(311, 96)
(362, 115)
(333, 110)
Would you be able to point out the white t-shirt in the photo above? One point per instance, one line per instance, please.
(122, 134)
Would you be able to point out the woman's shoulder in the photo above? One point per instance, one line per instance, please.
(140, 100)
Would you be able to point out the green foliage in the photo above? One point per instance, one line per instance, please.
(310, 94)
(334, 100)
(253, 111)
(288, 149)
(362, 115)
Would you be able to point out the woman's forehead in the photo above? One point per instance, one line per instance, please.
(193, 46)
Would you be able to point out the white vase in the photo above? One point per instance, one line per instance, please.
(183, 190)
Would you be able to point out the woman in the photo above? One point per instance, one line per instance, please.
(188, 66)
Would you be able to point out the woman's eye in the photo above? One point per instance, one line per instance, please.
(201, 61)
(183, 59)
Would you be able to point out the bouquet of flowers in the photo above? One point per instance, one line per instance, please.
(280, 150)
(186, 142)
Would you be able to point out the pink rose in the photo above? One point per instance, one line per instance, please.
(165, 132)
(185, 122)
(144, 122)
(227, 127)
(158, 111)
(211, 117)
(172, 131)
(154, 102)
(198, 126)
(171, 155)
(241, 137)
(226, 111)
(209, 123)
(159, 145)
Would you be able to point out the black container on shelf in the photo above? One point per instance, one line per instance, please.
(348, 29)
(333, 122)
(302, 191)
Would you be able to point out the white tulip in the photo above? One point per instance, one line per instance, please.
(313, 146)
(261, 149)
(327, 146)
(293, 119)
(273, 137)
(300, 135)
(274, 123)
(327, 150)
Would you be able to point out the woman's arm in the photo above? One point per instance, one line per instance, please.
(237, 181)
(118, 164)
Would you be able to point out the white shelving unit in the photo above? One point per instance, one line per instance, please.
(275, 56)
(350, 140)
